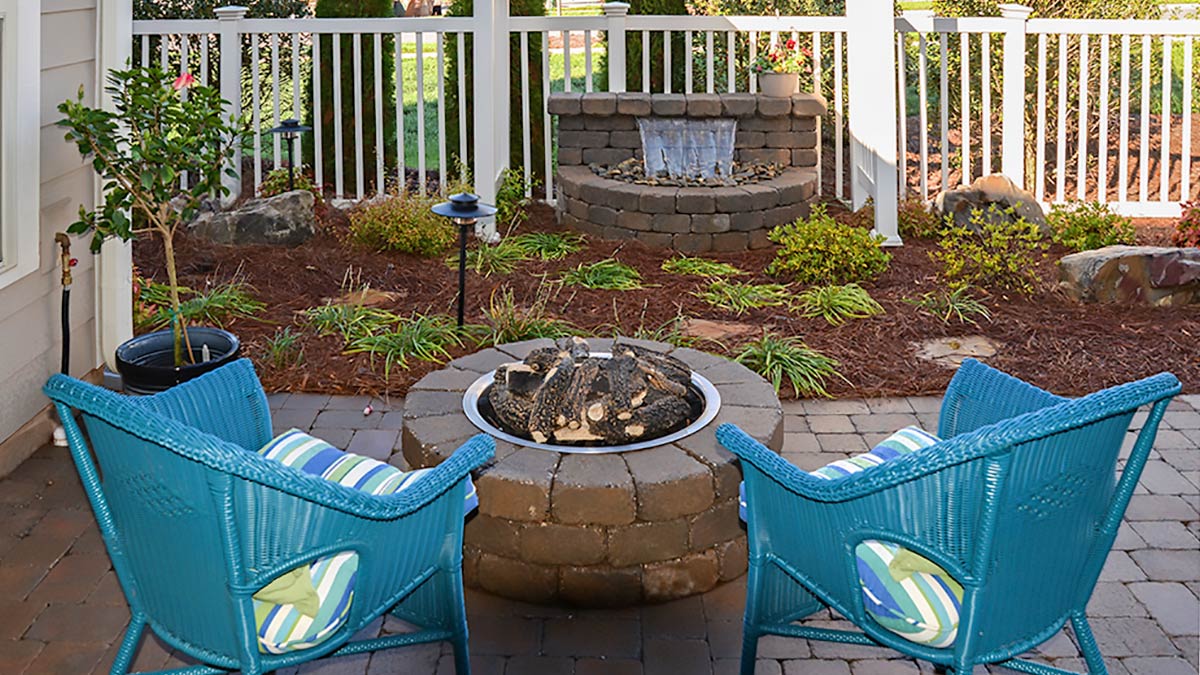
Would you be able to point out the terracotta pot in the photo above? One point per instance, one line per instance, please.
(778, 84)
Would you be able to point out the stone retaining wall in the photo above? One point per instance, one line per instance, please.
(598, 530)
(601, 128)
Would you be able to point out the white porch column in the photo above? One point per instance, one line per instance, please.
(114, 265)
(1012, 143)
(871, 64)
(231, 82)
(616, 13)
(491, 83)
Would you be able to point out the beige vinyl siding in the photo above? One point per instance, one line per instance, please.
(29, 309)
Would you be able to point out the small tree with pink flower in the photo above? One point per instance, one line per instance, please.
(160, 153)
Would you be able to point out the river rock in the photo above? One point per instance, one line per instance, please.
(1148, 275)
(283, 220)
(985, 191)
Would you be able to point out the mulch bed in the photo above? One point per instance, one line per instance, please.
(1045, 339)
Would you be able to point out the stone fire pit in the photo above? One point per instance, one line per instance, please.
(598, 529)
(600, 130)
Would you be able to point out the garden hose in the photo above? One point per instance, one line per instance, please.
(64, 243)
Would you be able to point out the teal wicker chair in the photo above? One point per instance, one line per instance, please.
(195, 522)
(1019, 503)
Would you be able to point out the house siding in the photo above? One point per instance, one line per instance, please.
(30, 339)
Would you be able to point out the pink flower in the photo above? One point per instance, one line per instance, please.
(184, 81)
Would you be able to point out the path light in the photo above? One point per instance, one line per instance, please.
(290, 129)
(464, 209)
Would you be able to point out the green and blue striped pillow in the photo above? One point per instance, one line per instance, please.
(903, 442)
(908, 594)
(284, 628)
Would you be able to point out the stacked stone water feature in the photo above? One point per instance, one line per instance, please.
(600, 130)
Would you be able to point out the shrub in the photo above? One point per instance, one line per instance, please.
(740, 297)
(276, 183)
(606, 275)
(1187, 230)
(700, 267)
(916, 221)
(835, 304)
(402, 223)
(511, 200)
(776, 357)
(954, 304)
(1087, 226)
(820, 250)
(1002, 255)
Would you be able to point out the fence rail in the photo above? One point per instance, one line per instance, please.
(1042, 100)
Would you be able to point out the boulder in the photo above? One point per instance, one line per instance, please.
(985, 191)
(283, 220)
(1147, 275)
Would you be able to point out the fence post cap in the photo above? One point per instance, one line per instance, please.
(616, 8)
(231, 12)
(1013, 10)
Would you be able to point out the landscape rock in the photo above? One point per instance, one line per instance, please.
(950, 352)
(985, 191)
(1147, 275)
(283, 220)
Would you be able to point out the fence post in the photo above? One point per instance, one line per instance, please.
(616, 13)
(230, 19)
(1012, 140)
(491, 83)
(871, 65)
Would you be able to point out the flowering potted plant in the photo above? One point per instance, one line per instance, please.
(778, 69)
(161, 151)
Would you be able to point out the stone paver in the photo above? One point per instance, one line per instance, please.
(61, 610)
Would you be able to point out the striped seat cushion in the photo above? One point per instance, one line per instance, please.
(907, 440)
(908, 594)
(284, 628)
(313, 455)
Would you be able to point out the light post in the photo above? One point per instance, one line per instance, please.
(464, 209)
(290, 129)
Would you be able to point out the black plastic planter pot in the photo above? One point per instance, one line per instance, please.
(147, 362)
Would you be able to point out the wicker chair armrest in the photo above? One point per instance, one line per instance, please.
(988, 441)
(227, 457)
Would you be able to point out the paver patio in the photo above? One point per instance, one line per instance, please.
(61, 610)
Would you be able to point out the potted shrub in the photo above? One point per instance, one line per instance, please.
(778, 69)
(162, 151)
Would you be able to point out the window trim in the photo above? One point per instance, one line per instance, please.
(20, 133)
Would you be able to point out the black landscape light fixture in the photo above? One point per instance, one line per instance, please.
(290, 129)
(464, 209)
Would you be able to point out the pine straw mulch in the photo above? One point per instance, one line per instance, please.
(1046, 339)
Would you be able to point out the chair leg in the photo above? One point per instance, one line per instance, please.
(749, 649)
(129, 646)
(1087, 646)
(460, 641)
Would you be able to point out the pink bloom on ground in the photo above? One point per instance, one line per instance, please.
(184, 81)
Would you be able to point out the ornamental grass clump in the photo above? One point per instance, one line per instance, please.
(548, 245)
(776, 357)
(700, 267)
(216, 305)
(153, 135)
(820, 250)
(1000, 252)
(403, 223)
(1088, 226)
(836, 304)
(506, 321)
(740, 298)
(606, 275)
(958, 303)
(488, 259)
(427, 337)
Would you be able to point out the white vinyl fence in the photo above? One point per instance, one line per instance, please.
(1094, 110)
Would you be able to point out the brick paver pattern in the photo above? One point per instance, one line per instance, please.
(62, 612)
